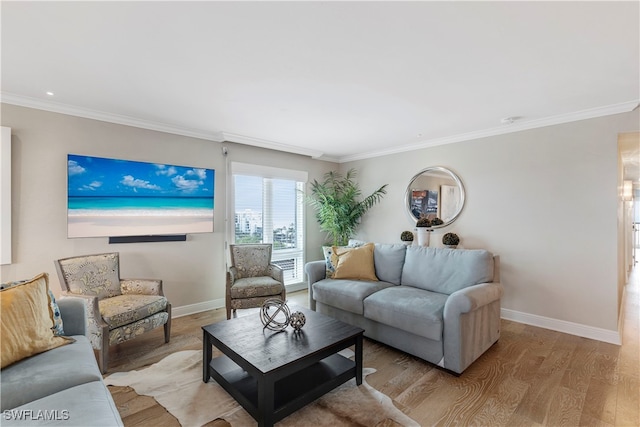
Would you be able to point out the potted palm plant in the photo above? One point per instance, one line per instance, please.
(339, 209)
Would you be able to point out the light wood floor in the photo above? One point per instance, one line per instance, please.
(532, 376)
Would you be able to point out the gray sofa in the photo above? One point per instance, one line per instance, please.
(441, 305)
(62, 386)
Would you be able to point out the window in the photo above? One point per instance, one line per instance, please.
(268, 207)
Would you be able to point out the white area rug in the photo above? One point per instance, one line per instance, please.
(176, 383)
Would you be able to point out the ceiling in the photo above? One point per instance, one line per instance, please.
(334, 80)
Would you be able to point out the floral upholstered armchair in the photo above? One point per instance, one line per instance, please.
(252, 278)
(117, 309)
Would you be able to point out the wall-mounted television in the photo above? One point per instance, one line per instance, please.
(114, 197)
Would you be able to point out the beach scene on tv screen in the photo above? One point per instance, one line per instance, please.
(112, 197)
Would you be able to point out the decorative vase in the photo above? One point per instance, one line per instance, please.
(451, 246)
(423, 236)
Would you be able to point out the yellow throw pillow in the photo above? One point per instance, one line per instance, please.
(354, 263)
(26, 321)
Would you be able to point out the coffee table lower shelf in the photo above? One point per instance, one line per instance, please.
(291, 392)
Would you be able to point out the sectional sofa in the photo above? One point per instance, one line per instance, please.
(441, 305)
(60, 386)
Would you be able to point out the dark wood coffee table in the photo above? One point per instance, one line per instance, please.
(273, 374)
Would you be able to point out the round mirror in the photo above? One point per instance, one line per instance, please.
(435, 192)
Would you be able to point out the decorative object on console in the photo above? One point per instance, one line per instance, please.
(273, 320)
(423, 228)
(338, 210)
(112, 197)
(451, 240)
(423, 222)
(436, 222)
(297, 320)
(407, 237)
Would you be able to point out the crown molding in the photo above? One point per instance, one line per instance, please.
(272, 145)
(518, 126)
(56, 107)
(221, 136)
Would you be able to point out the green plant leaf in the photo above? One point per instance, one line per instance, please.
(337, 205)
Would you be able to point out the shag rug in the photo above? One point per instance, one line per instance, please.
(176, 383)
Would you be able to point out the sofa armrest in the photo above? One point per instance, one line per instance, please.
(471, 298)
(316, 271)
(471, 324)
(96, 327)
(74, 315)
(141, 286)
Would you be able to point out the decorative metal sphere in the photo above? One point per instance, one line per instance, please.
(275, 314)
(297, 320)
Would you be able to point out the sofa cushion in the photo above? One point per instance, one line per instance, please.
(88, 404)
(330, 268)
(346, 294)
(124, 309)
(26, 321)
(49, 372)
(251, 287)
(446, 270)
(389, 260)
(354, 263)
(409, 309)
(58, 328)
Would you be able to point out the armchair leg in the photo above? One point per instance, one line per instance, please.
(103, 354)
(228, 312)
(167, 326)
(104, 360)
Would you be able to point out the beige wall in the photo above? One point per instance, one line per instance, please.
(545, 200)
(193, 271)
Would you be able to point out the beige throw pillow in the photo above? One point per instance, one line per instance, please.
(26, 321)
(354, 263)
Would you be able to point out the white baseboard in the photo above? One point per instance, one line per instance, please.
(186, 310)
(591, 332)
(297, 287)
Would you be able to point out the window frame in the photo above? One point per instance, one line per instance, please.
(268, 172)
